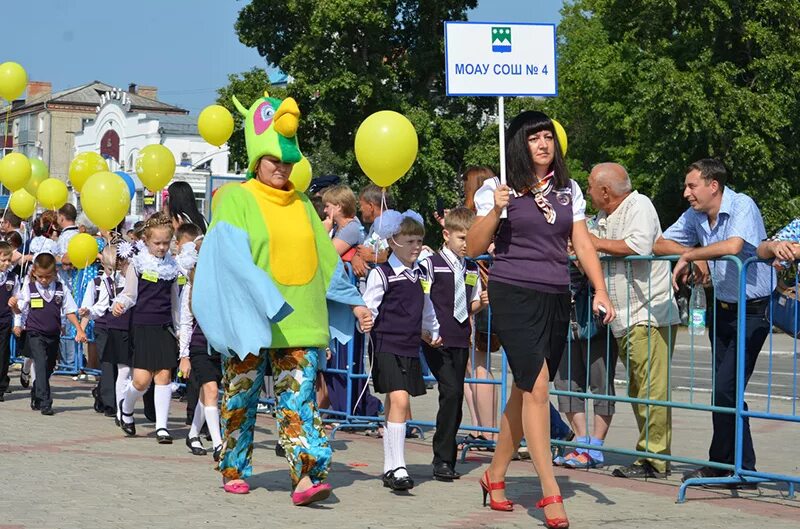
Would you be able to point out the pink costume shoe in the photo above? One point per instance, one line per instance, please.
(318, 492)
(238, 487)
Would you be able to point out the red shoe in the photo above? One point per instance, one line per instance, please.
(318, 492)
(553, 523)
(236, 487)
(487, 486)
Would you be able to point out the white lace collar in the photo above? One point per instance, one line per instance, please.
(187, 258)
(166, 268)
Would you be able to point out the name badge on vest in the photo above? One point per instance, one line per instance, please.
(9, 285)
(37, 303)
(426, 286)
(58, 297)
(564, 196)
(181, 281)
(471, 279)
(150, 276)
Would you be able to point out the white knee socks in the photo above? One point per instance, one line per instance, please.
(212, 419)
(129, 402)
(394, 441)
(197, 420)
(121, 384)
(161, 398)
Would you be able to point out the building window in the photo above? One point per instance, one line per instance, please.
(41, 123)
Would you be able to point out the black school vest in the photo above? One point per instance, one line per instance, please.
(6, 290)
(398, 327)
(453, 332)
(44, 316)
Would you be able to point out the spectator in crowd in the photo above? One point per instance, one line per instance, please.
(181, 206)
(371, 201)
(723, 222)
(10, 222)
(647, 314)
(67, 216)
(347, 232)
(784, 246)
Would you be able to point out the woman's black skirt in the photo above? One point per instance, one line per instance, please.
(154, 347)
(532, 326)
(391, 372)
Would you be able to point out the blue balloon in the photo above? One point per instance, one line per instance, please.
(128, 180)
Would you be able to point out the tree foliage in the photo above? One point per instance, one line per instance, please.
(652, 84)
(350, 58)
(658, 84)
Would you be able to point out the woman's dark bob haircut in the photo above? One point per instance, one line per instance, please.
(520, 171)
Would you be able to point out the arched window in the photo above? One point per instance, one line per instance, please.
(109, 145)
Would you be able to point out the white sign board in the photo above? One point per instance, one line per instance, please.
(500, 59)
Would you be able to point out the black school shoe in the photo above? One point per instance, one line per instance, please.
(639, 470)
(395, 483)
(163, 436)
(35, 406)
(47, 411)
(710, 472)
(444, 472)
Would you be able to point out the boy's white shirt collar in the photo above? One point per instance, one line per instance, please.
(399, 267)
(451, 256)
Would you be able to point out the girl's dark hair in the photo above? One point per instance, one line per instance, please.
(519, 162)
(182, 205)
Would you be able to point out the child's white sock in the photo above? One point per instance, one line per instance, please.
(161, 398)
(121, 384)
(396, 433)
(129, 402)
(212, 420)
(197, 420)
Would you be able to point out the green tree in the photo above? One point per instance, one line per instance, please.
(350, 58)
(658, 84)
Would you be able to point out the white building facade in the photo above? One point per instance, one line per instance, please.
(119, 134)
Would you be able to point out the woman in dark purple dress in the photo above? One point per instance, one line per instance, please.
(529, 291)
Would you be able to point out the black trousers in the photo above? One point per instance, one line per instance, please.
(5, 355)
(449, 366)
(108, 370)
(44, 353)
(723, 339)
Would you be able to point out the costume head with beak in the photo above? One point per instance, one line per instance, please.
(270, 128)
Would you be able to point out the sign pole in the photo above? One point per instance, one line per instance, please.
(501, 126)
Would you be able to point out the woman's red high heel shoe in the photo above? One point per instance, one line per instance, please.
(487, 486)
(553, 523)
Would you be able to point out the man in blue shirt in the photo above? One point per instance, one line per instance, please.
(722, 222)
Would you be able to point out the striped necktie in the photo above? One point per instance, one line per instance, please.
(460, 294)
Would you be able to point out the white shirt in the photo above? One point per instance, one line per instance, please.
(484, 198)
(100, 304)
(373, 295)
(24, 297)
(41, 244)
(641, 291)
(63, 240)
(186, 322)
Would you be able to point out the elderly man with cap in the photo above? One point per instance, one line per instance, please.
(647, 315)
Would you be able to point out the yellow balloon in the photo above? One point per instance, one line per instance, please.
(39, 174)
(215, 124)
(386, 147)
(22, 203)
(82, 250)
(13, 80)
(83, 166)
(561, 134)
(301, 175)
(15, 170)
(217, 196)
(155, 166)
(105, 199)
(52, 193)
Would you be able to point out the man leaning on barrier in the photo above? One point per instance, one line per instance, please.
(722, 222)
(627, 224)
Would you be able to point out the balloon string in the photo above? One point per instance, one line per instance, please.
(5, 140)
(384, 207)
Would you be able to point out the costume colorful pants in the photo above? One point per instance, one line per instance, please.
(299, 424)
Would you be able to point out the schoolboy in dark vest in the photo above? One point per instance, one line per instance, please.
(9, 285)
(45, 301)
(455, 290)
(401, 310)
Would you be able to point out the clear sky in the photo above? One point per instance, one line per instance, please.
(184, 47)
